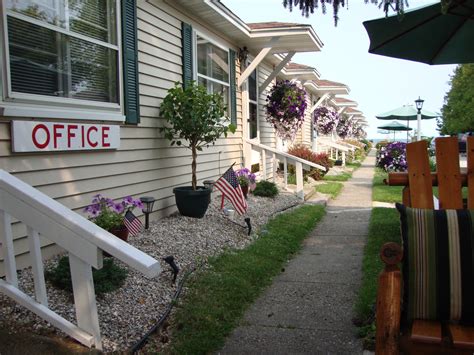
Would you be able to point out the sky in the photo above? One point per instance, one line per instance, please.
(379, 84)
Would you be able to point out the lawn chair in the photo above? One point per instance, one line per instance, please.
(396, 332)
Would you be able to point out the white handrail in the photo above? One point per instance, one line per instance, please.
(332, 144)
(79, 233)
(82, 239)
(306, 164)
(300, 164)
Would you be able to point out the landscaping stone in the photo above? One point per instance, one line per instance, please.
(127, 314)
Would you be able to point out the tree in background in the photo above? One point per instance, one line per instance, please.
(307, 6)
(458, 109)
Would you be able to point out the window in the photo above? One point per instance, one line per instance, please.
(64, 51)
(253, 105)
(213, 68)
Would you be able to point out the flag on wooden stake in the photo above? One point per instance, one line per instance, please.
(229, 185)
(133, 224)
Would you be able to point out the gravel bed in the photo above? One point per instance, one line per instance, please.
(127, 314)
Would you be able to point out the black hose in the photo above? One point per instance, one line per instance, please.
(141, 343)
(286, 208)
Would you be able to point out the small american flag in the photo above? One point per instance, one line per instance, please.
(133, 224)
(230, 188)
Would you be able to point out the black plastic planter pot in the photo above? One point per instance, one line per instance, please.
(192, 203)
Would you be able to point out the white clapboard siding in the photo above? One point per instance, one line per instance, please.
(4, 131)
(56, 176)
(145, 164)
(304, 133)
(267, 132)
(47, 162)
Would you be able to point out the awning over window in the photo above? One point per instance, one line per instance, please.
(326, 86)
(276, 42)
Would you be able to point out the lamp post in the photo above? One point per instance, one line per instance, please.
(419, 106)
(148, 202)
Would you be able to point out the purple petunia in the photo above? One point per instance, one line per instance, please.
(392, 157)
(344, 126)
(325, 119)
(102, 205)
(286, 104)
(118, 207)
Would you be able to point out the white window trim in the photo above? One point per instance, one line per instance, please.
(16, 104)
(256, 139)
(195, 60)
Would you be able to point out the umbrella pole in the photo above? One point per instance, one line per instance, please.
(408, 126)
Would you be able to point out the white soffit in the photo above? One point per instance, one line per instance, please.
(352, 111)
(299, 71)
(292, 37)
(343, 102)
(324, 86)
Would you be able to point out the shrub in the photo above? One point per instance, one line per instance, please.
(381, 144)
(306, 153)
(195, 119)
(110, 278)
(392, 157)
(265, 189)
(368, 144)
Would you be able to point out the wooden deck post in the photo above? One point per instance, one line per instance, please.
(6, 239)
(389, 301)
(84, 298)
(299, 180)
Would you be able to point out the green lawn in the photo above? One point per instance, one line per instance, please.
(382, 192)
(384, 227)
(330, 188)
(219, 295)
(340, 177)
(355, 164)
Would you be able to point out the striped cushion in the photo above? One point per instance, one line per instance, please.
(438, 265)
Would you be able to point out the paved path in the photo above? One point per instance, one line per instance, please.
(308, 308)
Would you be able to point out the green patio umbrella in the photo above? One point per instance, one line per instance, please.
(406, 113)
(426, 34)
(395, 127)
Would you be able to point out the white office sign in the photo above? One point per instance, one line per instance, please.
(33, 136)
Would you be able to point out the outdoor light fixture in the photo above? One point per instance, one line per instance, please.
(148, 202)
(419, 106)
(243, 54)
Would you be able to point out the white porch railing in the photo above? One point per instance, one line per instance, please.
(82, 239)
(286, 158)
(333, 149)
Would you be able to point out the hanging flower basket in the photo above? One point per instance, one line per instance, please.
(285, 108)
(344, 126)
(325, 119)
(358, 132)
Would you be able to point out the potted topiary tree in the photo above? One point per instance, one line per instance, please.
(195, 120)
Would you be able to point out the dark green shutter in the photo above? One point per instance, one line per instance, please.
(130, 61)
(187, 46)
(233, 89)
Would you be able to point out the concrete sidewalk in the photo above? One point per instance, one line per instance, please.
(308, 308)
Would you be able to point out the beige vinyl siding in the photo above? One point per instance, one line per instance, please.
(306, 128)
(145, 164)
(267, 132)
